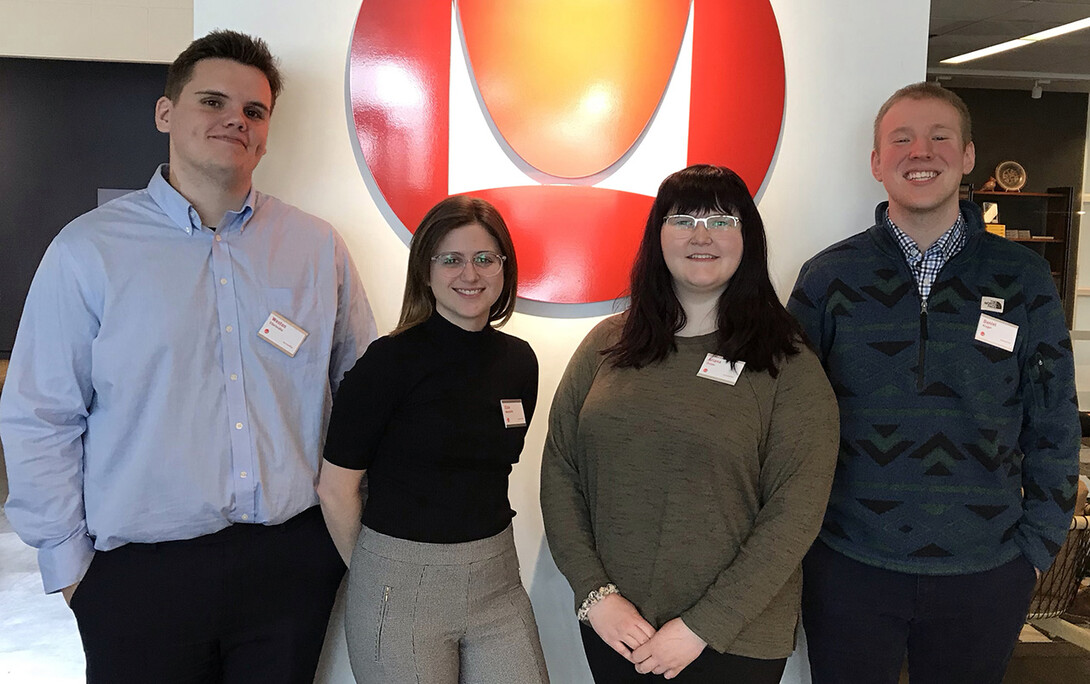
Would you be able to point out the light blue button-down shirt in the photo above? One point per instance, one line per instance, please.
(141, 405)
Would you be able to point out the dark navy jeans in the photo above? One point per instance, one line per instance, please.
(958, 629)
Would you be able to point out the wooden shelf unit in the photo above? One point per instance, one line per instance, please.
(1047, 216)
(981, 193)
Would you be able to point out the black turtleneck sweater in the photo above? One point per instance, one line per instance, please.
(420, 411)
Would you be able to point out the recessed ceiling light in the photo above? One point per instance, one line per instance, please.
(1019, 42)
(1059, 30)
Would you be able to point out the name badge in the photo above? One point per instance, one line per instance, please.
(993, 304)
(513, 415)
(282, 333)
(996, 332)
(717, 368)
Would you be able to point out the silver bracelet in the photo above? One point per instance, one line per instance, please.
(594, 597)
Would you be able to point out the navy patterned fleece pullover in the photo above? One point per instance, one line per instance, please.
(955, 455)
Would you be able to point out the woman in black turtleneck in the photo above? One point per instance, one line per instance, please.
(436, 413)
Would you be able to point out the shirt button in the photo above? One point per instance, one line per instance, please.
(219, 238)
(245, 517)
(230, 328)
(242, 474)
(234, 376)
(223, 281)
(238, 426)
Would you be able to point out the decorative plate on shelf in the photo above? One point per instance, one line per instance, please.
(1010, 176)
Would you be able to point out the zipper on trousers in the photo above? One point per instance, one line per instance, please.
(381, 622)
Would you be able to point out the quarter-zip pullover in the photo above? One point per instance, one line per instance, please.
(955, 455)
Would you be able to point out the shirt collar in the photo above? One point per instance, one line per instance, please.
(948, 243)
(181, 212)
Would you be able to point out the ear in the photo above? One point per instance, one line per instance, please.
(968, 158)
(163, 108)
(875, 166)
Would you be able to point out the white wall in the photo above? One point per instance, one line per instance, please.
(1080, 335)
(843, 58)
(101, 30)
(1082, 275)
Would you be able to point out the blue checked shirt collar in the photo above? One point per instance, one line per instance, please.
(925, 266)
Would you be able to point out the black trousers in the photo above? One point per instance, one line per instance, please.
(609, 667)
(860, 621)
(249, 603)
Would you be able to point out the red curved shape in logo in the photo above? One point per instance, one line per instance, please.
(583, 247)
(575, 243)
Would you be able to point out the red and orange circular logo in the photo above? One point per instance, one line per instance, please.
(568, 88)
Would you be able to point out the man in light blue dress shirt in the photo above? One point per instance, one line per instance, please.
(168, 395)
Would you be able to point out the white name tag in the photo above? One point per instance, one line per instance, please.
(513, 415)
(996, 332)
(717, 368)
(282, 333)
(993, 304)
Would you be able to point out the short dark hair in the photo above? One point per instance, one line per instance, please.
(232, 45)
(753, 325)
(928, 91)
(418, 304)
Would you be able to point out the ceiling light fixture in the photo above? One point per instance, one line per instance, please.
(1019, 42)
(1035, 91)
(1059, 30)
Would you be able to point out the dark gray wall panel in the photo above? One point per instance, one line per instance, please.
(67, 128)
(1046, 136)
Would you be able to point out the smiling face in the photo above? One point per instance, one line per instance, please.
(701, 261)
(920, 159)
(465, 298)
(219, 123)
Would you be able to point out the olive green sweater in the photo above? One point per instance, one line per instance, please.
(695, 498)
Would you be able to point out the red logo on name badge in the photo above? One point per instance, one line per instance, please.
(569, 87)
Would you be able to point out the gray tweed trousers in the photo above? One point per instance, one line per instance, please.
(421, 613)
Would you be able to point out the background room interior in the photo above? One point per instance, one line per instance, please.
(79, 78)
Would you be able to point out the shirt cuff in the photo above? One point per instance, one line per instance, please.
(66, 563)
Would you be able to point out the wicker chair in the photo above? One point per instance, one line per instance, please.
(1056, 588)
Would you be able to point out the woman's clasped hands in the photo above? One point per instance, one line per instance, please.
(666, 651)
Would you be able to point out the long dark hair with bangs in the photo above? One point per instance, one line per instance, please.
(753, 325)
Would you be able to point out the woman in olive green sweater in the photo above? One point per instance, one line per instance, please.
(691, 448)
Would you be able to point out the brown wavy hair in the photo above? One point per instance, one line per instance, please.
(418, 304)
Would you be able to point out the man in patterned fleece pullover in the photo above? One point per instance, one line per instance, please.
(949, 354)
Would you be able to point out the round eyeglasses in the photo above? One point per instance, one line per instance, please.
(485, 263)
(687, 224)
